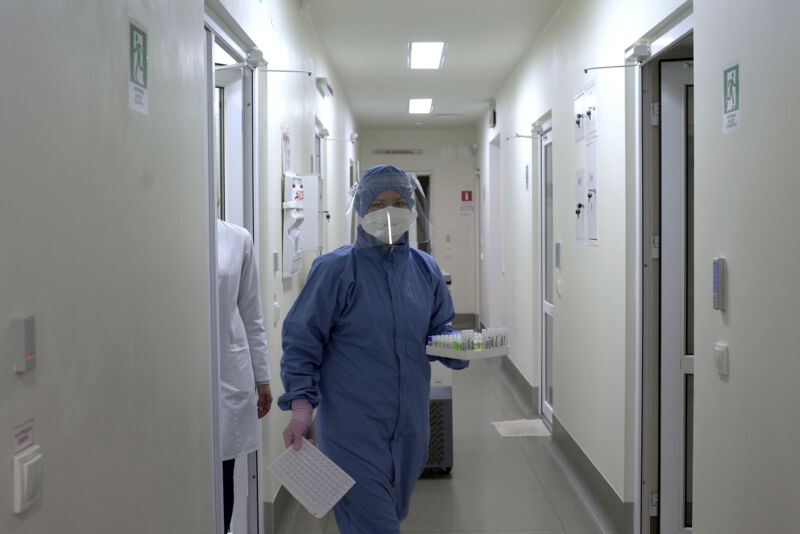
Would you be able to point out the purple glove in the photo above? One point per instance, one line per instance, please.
(298, 426)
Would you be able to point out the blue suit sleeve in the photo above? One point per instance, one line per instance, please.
(443, 314)
(306, 331)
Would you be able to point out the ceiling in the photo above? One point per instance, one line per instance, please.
(367, 42)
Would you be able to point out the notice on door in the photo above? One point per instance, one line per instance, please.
(467, 207)
(137, 75)
(730, 99)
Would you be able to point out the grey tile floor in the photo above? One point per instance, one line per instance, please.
(498, 485)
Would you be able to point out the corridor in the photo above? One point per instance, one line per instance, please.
(609, 186)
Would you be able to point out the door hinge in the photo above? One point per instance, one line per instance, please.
(655, 113)
(655, 247)
(654, 505)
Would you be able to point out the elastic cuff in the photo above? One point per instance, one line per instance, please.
(262, 383)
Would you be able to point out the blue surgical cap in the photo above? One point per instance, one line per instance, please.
(378, 179)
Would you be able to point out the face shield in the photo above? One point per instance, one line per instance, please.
(388, 206)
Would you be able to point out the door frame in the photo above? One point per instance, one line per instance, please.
(643, 143)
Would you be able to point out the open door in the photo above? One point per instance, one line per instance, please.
(547, 268)
(231, 138)
(677, 295)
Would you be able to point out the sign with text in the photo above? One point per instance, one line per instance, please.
(730, 99)
(23, 436)
(137, 75)
(467, 207)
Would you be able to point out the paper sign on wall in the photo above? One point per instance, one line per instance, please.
(730, 99)
(580, 205)
(23, 436)
(137, 69)
(286, 151)
(467, 207)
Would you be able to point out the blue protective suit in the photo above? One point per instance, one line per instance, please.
(354, 345)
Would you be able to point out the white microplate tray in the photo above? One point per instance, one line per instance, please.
(312, 478)
(466, 354)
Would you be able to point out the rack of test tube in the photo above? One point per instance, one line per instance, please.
(469, 344)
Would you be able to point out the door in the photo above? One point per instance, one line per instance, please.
(547, 256)
(491, 241)
(231, 103)
(677, 296)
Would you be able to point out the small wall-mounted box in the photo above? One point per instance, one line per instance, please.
(23, 344)
(719, 283)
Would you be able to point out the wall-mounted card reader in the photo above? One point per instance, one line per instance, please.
(23, 344)
(719, 284)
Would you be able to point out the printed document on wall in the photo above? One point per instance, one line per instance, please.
(580, 205)
(592, 165)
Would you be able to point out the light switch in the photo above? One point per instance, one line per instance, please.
(721, 358)
(23, 340)
(28, 476)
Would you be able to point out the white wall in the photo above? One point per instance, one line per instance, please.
(591, 356)
(103, 233)
(287, 38)
(447, 156)
(746, 426)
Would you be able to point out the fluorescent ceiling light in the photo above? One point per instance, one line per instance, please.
(420, 105)
(426, 55)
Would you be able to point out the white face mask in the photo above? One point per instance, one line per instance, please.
(388, 224)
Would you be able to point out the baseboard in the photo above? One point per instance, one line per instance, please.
(617, 513)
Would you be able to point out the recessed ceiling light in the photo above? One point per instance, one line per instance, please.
(426, 55)
(420, 105)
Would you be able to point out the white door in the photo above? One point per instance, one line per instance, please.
(677, 296)
(231, 138)
(547, 256)
(491, 250)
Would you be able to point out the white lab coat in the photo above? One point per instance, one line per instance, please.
(244, 358)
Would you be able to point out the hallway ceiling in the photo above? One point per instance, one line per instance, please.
(367, 42)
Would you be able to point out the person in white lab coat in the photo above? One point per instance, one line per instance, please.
(245, 395)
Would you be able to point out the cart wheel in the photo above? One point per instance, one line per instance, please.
(446, 470)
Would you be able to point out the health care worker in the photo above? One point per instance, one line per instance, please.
(354, 346)
(245, 394)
